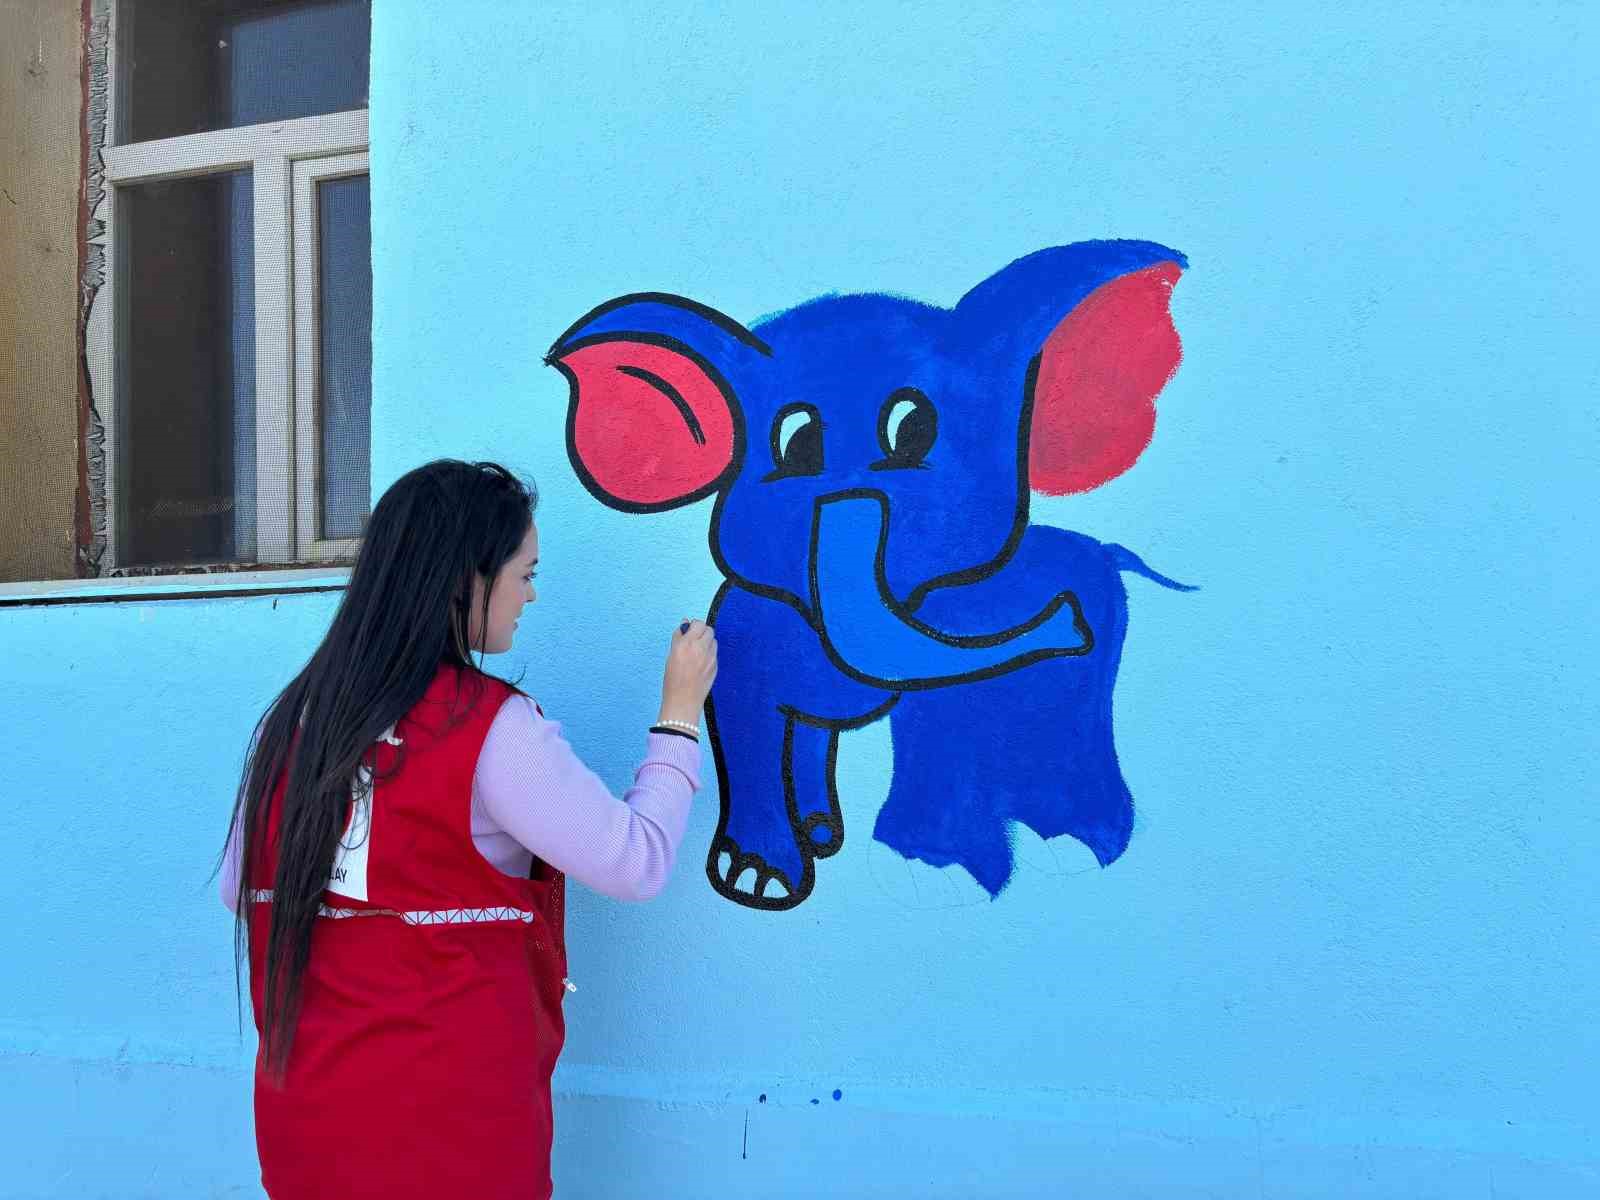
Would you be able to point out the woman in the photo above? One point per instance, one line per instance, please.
(397, 859)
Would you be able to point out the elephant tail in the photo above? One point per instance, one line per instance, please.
(1126, 560)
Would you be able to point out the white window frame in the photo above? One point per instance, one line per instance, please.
(277, 154)
(307, 173)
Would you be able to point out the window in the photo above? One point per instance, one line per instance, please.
(230, 345)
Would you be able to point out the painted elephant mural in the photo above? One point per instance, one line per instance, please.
(872, 459)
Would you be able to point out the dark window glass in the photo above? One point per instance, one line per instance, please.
(344, 384)
(187, 66)
(185, 423)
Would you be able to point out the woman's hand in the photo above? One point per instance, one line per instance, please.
(691, 669)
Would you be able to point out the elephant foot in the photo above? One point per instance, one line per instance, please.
(823, 835)
(751, 880)
(915, 885)
(1060, 856)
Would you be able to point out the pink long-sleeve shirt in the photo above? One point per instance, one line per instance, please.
(532, 795)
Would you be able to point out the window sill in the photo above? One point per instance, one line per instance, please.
(221, 585)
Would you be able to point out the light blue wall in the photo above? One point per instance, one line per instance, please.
(1351, 951)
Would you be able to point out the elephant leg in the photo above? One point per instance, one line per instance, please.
(754, 858)
(812, 798)
(941, 807)
(1034, 746)
(1075, 786)
(774, 716)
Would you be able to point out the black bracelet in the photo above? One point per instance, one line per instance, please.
(675, 733)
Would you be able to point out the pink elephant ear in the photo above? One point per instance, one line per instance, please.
(650, 426)
(1094, 398)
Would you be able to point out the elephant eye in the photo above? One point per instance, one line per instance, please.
(907, 427)
(797, 442)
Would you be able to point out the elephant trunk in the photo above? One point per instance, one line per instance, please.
(873, 637)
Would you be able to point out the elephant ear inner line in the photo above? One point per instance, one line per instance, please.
(691, 421)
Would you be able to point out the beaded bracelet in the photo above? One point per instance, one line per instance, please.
(682, 727)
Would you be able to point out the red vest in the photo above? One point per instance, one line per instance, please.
(431, 1015)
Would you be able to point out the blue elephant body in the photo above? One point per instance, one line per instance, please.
(872, 459)
(1033, 745)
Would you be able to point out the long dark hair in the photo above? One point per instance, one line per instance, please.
(404, 614)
